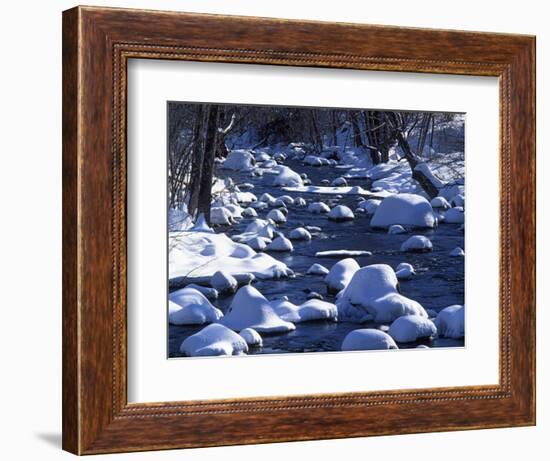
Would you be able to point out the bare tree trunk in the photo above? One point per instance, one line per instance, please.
(210, 145)
(197, 160)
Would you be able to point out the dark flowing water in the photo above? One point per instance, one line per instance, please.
(439, 281)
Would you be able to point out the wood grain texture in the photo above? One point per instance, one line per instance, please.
(97, 43)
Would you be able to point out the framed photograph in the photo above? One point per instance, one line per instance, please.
(280, 230)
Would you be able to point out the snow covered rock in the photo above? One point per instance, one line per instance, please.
(239, 160)
(368, 339)
(201, 225)
(250, 309)
(224, 282)
(267, 198)
(235, 210)
(450, 322)
(214, 340)
(318, 207)
(259, 206)
(262, 157)
(285, 200)
(340, 274)
(342, 253)
(370, 206)
(317, 269)
(338, 182)
(458, 200)
(287, 178)
(313, 309)
(417, 244)
(410, 328)
(457, 252)
(261, 227)
(455, 215)
(300, 202)
(276, 216)
(404, 271)
(252, 337)
(221, 216)
(313, 160)
(299, 234)
(405, 209)
(280, 243)
(189, 306)
(440, 202)
(250, 212)
(396, 229)
(258, 243)
(372, 295)
(341, 213)
(210, 293)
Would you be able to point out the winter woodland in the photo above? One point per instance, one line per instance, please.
(296, 229)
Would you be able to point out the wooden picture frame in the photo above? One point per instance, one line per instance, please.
(97, 43)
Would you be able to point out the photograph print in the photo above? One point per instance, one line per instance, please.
(313, 229)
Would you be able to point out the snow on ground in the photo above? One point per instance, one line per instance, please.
(341, 213)
(210, 293)
(368, 339)
(281, 243)
(313, 309)
(188, 306)
(450, 322)
(410, 328)
(252, 337)
(372, 294)
(276, 216)
(340, 274)
(370, 206)
(214, 340)
(224, 282)
(250, 309)
(195, 254)
(440, 202)
(330, 190)
(405, 209)
(417, 244)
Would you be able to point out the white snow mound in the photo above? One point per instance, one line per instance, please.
(405, 209)
(299, 234)
(340, 274)
(368, 339)
(318, 207)
(224, 282)
(341, 213)
(450, 322)
(417, 243)
(372, 295)
(317, 269)
(214, 340)
(455, 215)
(250, 309)
(281, 243)
(410, 328)
(252, 337)
(239, 160)
(287, 178)
(189, 306)
(313, 309)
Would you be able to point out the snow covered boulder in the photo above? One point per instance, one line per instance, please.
(259, 206)
(284, 200)
(250, 309)
(458, 200)
(370, 206)
(368, 339)
(287, 178)
(277, 216)
(372, 295)
(300, 202)
(221, 216)
(252, 337)
(405, 209)
(299, 234)
(450, 322)
(239, 160)
(189, 306)
(318, 208)
(340, 274)
(410, 328)
(210, 293)
(404, 271)
(250, 213)
(214, 340)
(313, 160)
(260, 227)
(417, 244)
(341, 213)
(267, 198)
(258, 243)
(440, 202)
(313, 309)
(262, 157)
(455, 215)
(457, 252)
(317, 269)
(280, 243)
(396, 229)
(339, 182)
(224, 282)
